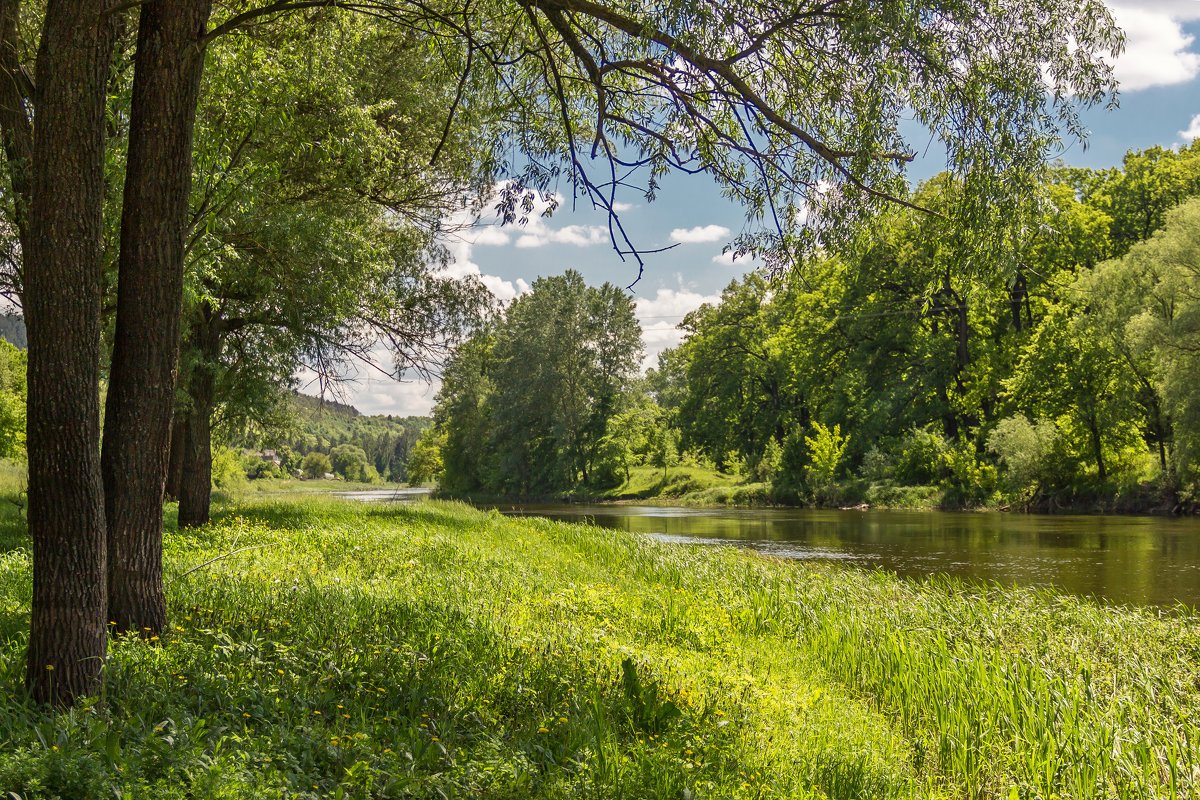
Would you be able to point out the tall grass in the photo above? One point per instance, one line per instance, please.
(437, 651)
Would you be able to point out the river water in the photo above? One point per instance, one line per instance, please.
(1116, 559)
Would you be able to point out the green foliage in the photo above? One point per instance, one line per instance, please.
(13, 362)
(350, 462)
(316, 465)
(526, 408)
(826, 449)
(1027, 450)
(931, 363)
(766, 466)
(425, 460)
(228, 474)
(921, 457)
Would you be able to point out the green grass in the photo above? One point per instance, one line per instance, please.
(687, 483)
(432, 650)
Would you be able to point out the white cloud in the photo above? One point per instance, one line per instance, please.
(461, 266)
(703, 233)
(412, 398)
(1193, 130)
(489, 235)
(1157, 50)
(619, 207)
(660, 317)
(538, 234)
(728, 259)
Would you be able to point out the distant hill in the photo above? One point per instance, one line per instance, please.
(308, 403)
(322, 425)
(12, 329)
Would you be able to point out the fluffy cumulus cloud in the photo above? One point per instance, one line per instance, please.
(413, 398)
(700, 234)
(461, 266)
(660, 316)
(537, 234)
(1193, 130)
(728, 259)
(1158, 52)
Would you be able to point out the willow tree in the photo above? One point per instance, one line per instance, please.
(795, 107)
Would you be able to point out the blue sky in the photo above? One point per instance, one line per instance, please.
(1159, 104)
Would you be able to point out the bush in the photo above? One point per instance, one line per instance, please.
(227, 473)
(315, 465)
(350, 461)
(826, 449)
(968, 481)
(767, 466)
(1026, 449)
(922, 458)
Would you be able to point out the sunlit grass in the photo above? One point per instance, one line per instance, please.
(433, 650)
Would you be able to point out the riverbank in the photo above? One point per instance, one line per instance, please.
(701, 487)
(434, 650)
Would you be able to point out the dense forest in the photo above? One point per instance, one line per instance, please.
(893, 371)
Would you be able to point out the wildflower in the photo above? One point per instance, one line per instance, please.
(316, 713)
(246, 715)
(50, 668)
(543, 729)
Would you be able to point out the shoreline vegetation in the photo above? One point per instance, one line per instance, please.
(696, 486)
(323, 648)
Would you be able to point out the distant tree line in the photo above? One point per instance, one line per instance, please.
(1067, 376)
(1061, 371)
(323, 436)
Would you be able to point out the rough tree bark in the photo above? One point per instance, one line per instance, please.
(195, 485)
(62, 282)
(141, 396)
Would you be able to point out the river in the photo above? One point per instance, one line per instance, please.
(1150, 561)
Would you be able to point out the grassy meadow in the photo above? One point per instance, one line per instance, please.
(332, 649)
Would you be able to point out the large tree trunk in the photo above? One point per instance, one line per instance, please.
(195, 486)
(141, 393)
(62, 282)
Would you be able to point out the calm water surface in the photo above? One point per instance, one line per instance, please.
(1134, 560)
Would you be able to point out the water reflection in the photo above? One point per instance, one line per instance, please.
(1137, 560)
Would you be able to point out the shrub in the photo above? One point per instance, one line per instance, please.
(826, 450)
(315, 465)
(921, 459)
(1026, 449)
(350, 461)
(227, 473)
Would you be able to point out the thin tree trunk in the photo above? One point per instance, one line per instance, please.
(175, 462)
(1097, 446)
(15, 126)
(62, 282)
(195, 486)
(141, 393)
